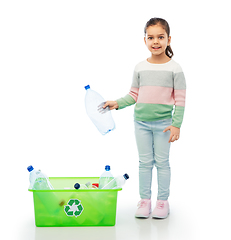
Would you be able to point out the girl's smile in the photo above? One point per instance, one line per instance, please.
(156, 48)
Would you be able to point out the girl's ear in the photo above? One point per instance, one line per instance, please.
(169, 40)
(145, 40)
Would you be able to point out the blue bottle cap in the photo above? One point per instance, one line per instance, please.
(77, 186)
(87, 87)
(30, 168)
(107, 168)
(126, 176)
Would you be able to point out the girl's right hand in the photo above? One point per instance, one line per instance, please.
(111, 104)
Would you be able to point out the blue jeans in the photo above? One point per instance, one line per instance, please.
(153, 148)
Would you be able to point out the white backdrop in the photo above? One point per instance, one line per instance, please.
(49, 50)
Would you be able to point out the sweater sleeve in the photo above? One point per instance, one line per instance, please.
(179, 97)
(131, 97)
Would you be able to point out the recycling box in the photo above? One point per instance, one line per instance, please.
(65, 206)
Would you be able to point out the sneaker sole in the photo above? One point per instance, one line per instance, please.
(141, 216)
(155, 216)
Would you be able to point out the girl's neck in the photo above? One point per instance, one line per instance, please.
(158, 59)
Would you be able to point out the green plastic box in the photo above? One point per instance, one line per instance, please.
(63, 207)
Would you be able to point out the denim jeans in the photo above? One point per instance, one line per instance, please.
(153, 149)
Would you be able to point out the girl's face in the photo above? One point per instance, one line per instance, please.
(156, 40)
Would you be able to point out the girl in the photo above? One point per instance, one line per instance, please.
(158, 85)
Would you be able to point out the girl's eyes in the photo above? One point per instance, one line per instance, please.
(161, 37)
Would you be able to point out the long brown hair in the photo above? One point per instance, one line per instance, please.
(164, 24)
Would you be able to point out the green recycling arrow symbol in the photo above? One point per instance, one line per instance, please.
(74, 208)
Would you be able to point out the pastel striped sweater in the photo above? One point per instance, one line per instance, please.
(156, 89)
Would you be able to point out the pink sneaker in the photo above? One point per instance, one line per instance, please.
(161, 210)
(144, 208)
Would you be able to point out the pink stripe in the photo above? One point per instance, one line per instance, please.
(156, 95)
(134, 93)
(180, 97)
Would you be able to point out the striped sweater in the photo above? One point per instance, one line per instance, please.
(155, 89)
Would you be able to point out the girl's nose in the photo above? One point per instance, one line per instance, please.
(156, 40)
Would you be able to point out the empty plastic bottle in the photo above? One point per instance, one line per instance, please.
(117, 182)
(103, 121)
(38, 180)
(82, 186)
(106, 177)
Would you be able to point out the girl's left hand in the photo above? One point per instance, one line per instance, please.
(175, 133)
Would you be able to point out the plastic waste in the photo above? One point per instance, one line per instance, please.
(106, 177)
(87, 185)
(82, 186)
(102, 120)
(95, 185)
(38, 180)
(117, 182)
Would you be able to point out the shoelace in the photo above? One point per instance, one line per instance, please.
(160, 205)
(142, 204)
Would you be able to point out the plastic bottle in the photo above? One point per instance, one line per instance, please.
(106, 177)
(82, 186)
(117, 182)
(38, 180)
(103, 121)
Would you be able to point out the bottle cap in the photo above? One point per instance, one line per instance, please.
(95, 185)
(107, 168)
(126, 176)
(88, 184)
(77, 186)
(30, 168)
(87, 87)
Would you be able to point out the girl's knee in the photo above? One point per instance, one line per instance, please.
(146, 163)
(162, 163)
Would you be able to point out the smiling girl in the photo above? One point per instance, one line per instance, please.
(157, 88)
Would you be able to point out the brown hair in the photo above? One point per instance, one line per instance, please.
(164, 24)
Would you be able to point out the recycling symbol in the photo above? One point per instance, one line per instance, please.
(74, 208)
